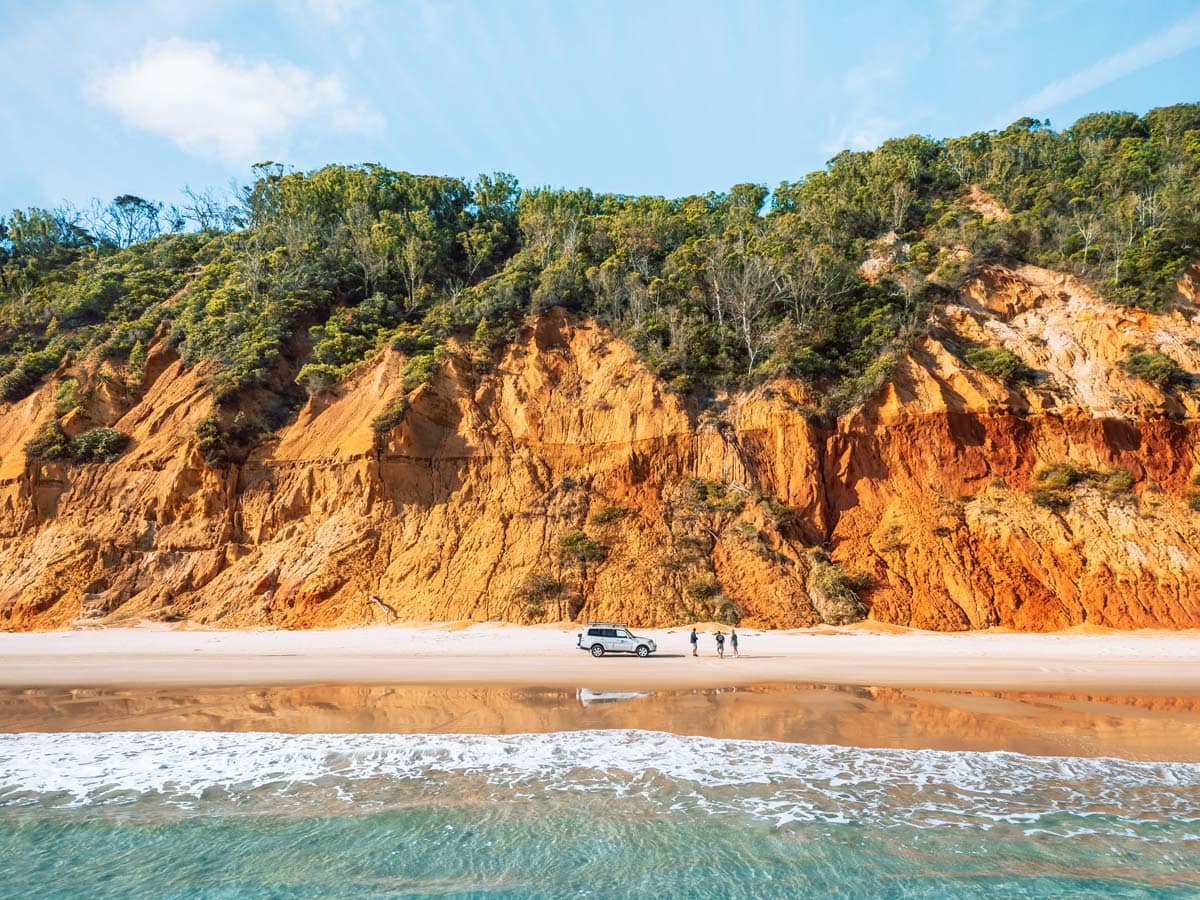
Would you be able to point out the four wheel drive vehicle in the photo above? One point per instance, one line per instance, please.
(599, 638)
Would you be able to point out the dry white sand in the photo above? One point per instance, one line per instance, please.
(512, 655)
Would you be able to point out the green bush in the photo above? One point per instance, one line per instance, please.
(714, 496)
(21, 381)
(832, 592)
(1118, 481)
(609, 514)
(999, 363)
(95, 446)
(66, 396)
(392, 415)
(1059, 476)
(223, 446)
(576, 547)
(1054, 485)
(539, 589)
(99, 445)
(1157, 368)
(418, 371)
(50, 443)
(781, 515)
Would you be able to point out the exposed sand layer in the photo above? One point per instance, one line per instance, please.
(516, 656)
(927, 494)
(1131, 727)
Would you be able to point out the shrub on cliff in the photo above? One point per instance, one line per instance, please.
(539, 589)
(418, 371)
(832, 591)
(20, 382)
(576, 547)
(1054, 485)
(1000, 363)
(1155, 367)
(98, 445)
(66, 396)
(50, 443)
(714, 496)
(606, 515)
(221, 445)
(392, 415)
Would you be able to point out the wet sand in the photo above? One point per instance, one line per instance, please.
(1130, 727)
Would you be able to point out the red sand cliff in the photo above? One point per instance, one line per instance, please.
(925, 493)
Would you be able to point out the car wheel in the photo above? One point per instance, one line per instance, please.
(643, 651)
(597, 650)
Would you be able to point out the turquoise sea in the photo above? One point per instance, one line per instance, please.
(607, 813)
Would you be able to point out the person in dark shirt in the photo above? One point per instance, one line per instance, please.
(695, 643)
(720, 645)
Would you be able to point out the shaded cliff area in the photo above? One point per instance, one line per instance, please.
(563, 479)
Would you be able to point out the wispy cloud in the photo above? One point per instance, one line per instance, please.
(210, 104)
(1179, 38)
(861, 124)
(328, 11)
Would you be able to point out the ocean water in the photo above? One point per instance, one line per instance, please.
(584, 813)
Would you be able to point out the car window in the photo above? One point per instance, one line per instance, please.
(596, 632)
(622, 634)
(610, 632)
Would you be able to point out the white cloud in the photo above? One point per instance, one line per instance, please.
(1179, 38)
(862, 131)
(213, 105)
(862, 125)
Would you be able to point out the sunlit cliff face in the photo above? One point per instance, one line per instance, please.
(931, 505)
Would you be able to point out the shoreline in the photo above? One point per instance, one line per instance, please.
(502, 655)
(1136, 727)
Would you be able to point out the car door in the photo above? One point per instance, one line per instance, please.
(624, 641)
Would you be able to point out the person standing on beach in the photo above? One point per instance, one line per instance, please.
(695, 642)
(733, 641)
(720, 645)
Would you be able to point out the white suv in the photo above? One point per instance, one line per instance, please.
(608, 637)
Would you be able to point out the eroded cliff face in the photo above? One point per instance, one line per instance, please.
(924, 498)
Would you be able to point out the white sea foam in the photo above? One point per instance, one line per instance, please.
(778, 782)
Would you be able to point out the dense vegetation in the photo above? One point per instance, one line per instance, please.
(300, 276)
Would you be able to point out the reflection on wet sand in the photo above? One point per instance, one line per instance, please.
(1133, 727)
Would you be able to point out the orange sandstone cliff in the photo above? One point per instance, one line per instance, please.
(922, 507)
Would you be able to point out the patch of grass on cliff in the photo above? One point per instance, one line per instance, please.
(51, 443)
(1193, 495)
(1001, 364)
(609, 514)
(782, 515)
(714, 496)
(1055, 484)
(1155, 367)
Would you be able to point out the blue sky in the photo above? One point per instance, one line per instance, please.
(145, 96)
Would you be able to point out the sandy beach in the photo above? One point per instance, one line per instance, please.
(516, 656)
